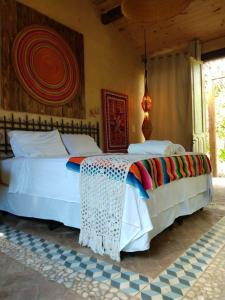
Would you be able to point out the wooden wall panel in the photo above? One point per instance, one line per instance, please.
(14, 17)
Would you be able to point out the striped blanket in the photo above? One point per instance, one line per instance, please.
(149, 174)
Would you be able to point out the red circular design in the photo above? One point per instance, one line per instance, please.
(45, 65)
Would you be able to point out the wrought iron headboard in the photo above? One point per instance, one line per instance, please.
(27, 124)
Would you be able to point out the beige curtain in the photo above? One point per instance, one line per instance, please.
(169, 86)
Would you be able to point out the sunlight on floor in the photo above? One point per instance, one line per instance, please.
(219, 181)
(2, 235)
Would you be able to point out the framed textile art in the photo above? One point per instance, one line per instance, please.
(45, 65)
(42, 63)
(115, 121)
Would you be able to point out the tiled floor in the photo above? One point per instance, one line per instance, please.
(211, 284)
(82, 273)
(165, 249)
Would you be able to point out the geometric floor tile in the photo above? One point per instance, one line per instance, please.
(210, 285)
(172, 283)
(130, 282)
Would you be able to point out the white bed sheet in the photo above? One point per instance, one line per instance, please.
(50, 191)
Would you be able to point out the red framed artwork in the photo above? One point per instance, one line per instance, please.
(42, 64)
(115, 121)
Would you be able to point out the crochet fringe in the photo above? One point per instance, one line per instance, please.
(103, 187)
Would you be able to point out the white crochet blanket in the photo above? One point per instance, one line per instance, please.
(103, 186)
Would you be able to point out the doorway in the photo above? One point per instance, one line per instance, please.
(214, 86)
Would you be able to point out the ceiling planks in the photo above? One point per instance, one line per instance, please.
(203, 20)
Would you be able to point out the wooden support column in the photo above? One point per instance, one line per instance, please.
(212, 133)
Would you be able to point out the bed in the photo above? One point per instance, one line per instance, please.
(59, 199)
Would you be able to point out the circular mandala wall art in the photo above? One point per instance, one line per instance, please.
(45, 65)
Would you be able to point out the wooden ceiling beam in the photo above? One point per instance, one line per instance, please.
(111, 15)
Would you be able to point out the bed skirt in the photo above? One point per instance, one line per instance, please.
(179, 198)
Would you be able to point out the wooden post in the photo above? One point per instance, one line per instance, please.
(212, 133)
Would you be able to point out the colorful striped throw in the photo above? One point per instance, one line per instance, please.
(151, 173)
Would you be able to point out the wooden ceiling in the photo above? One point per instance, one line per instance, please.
(202, 19)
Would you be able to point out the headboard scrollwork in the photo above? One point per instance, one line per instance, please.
(27, 124)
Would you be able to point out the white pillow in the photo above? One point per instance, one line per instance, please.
(36, 143)
(77, 144)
